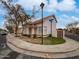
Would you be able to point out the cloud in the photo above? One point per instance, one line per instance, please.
(66, 5)
(75, 18)
(30, 3)
(53, 5)
(64, 19)
(1, 22)
(3, 12)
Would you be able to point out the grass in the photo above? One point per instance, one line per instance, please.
(53, 41)
(46, 40)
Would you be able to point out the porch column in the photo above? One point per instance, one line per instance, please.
(30, 31)
(35, 30)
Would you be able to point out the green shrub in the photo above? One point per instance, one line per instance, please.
(50, 35)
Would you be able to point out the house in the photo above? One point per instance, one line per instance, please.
(35, 27)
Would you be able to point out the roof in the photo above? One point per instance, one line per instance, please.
(45, 18)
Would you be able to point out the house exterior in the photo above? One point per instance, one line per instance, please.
(35, 27)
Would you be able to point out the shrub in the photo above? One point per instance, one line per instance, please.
(50, 35)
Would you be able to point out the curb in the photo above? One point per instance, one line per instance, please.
(39, 53)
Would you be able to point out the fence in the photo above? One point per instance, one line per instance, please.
(2, 41)
(72, 36)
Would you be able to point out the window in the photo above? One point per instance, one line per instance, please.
(39, 29)
(45, 30)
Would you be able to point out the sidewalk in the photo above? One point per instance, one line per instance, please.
(68, 49)
(4, 53)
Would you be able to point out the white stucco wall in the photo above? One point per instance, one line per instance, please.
(37, 32)
(48, 24)
(54, 31)
(46, 28)
(33, 31)
(26, 31)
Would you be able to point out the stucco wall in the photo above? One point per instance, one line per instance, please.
(54, 31)
(46, 28)
(26, 31)
(48, 24)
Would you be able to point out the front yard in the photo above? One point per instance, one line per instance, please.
(46, 40)
(53, 40)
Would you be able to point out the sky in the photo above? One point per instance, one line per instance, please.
(66, 11)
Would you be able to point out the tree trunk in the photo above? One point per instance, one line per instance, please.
(22, 30)
(17, 24)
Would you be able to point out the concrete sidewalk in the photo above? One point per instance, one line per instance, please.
(68, 49)
(4, 53)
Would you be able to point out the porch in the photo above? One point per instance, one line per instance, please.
(35, 31)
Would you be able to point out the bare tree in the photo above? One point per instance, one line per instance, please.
(16, 13)
(9, 24)
(11, 11)
(25, 18)
(72, 26)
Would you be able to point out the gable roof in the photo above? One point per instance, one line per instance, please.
(45, 18)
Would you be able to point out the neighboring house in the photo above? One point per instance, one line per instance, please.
(35, 27)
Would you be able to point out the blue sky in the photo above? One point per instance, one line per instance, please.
(66, 11)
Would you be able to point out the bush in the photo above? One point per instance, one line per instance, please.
(50, 35)
(10, 29)
(34, 36)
